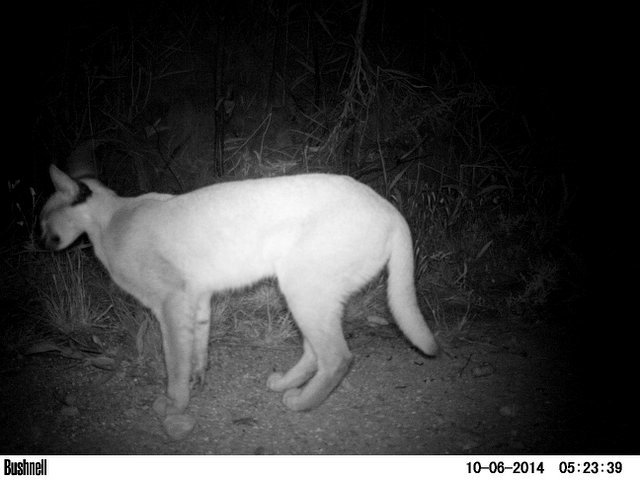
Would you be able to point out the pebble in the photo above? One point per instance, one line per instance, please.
(69, 411)
(509, 410)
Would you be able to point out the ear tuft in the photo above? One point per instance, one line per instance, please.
(84, 192)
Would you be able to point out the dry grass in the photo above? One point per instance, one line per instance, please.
(257, 315)
(441, 149)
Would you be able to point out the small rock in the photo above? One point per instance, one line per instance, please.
(69, 411)
(509, 410)
(103, 362)
(130, 412)
(246, 421)
(483, 370)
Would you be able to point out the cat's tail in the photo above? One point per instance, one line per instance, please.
(401, 291)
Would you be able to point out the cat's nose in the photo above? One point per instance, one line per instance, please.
(51, 241)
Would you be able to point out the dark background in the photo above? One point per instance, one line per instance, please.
(547, 57)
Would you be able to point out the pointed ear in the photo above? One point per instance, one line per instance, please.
(63, 182)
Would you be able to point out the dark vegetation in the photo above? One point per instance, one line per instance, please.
(458, 119)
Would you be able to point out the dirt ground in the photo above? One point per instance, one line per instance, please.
(495, 388)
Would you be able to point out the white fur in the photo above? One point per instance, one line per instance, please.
(322, 236)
